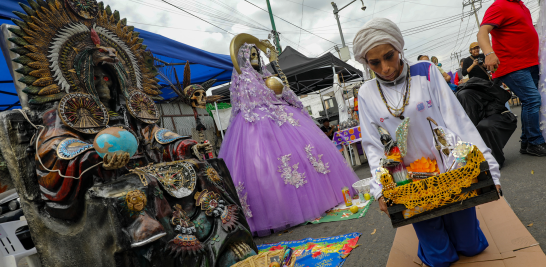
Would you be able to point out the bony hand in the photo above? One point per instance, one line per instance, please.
(491, 62)
(197, 149)
(115, 162)
(383, 206)
(499, 189)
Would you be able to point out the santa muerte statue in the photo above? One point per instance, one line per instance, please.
(101, 183)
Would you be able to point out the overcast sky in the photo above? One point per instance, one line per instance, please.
(431, 27)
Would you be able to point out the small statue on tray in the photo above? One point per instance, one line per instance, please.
(395, 151)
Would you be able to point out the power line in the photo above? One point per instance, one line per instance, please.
(290, 23)
(212, 19)
(357, 19)
(301, 22)
(197, 17)
(310, 6)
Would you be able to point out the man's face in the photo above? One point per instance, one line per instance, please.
(326, 124)
(475, 51)
(425, 58)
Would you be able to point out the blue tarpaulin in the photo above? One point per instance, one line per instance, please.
(204, 65)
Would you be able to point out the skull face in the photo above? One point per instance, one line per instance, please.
(103, 83)
(254, 58)
(196, 95)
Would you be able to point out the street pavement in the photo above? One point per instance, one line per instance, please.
(523, 180)
(523, 183)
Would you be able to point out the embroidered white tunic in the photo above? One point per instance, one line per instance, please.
(430, 96)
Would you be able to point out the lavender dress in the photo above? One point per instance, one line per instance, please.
(285, 169)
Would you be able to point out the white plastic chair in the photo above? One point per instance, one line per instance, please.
(11, 249)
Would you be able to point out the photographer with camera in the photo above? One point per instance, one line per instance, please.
(473, 65)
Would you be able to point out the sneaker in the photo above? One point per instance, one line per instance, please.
(523, 149)
(537, 150)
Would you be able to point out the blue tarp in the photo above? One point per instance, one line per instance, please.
(205, 65)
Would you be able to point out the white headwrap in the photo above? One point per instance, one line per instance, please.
(376, 32)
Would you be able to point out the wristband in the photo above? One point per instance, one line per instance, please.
(492, 52)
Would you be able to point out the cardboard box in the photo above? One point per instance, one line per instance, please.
(510, 244)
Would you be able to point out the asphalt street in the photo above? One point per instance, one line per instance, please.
(523, 180)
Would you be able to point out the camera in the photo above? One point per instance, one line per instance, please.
(480, 61)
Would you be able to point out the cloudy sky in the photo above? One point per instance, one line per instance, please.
(431, 27)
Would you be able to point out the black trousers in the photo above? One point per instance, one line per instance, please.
(496, 131)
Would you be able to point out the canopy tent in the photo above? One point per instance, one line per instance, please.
(204, 65)
(307, 75)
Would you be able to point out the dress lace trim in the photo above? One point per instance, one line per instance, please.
(317, 163)
(289, 173)
(243, 198)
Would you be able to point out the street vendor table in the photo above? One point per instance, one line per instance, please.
(349, 137)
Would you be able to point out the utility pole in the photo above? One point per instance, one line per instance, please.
(275, 33)
(474, 9)
(344, 53)
(338, 23)
(456, 55)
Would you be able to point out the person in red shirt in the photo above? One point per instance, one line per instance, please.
(459, 74)
(514, 59)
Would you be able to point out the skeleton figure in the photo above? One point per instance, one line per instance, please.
(254, 59)
(196, 95)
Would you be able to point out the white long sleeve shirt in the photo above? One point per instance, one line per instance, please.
(430, 96)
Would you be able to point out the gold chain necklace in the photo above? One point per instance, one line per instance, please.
(397, 112)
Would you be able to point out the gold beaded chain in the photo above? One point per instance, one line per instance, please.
(397, 111)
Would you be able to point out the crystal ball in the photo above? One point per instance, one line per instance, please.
(115, 140)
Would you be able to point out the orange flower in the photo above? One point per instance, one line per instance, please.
(423, 165)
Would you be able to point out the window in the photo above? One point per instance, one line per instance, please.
(329, 103)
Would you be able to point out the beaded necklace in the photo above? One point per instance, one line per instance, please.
(397, 112)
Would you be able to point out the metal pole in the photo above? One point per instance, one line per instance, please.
(279, 49)
(219, 121)
(476, 14)
(338, 23)
(322, 102)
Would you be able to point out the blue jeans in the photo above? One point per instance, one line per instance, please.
(524, 83)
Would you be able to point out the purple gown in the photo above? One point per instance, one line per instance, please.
(285, 168)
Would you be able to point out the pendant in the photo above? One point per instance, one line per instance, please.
(397, 113)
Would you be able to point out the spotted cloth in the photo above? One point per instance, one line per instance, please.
(348, 136)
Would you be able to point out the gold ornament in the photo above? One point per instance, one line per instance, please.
(136, 200)
(212, 174)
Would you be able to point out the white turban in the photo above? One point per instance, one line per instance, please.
(376, 32)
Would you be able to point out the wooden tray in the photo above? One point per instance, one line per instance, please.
(487, 192)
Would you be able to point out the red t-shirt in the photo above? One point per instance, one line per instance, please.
(515, 39)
